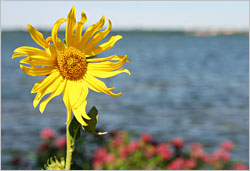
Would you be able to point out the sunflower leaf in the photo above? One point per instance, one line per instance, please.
(74, 129)
(93, 114)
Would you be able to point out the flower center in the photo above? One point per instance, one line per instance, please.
(72, 63)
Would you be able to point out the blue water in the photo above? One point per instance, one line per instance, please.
(180, 85)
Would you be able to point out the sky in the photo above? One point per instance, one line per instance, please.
(151, 15)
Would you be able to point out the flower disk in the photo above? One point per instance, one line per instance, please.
(72, 63)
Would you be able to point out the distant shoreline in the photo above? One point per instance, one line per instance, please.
(198, 32)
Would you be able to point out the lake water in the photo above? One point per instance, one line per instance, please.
(180, 85)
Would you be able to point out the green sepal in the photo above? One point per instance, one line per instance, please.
(93, 114)
(54, 164)
(92, 57)
(74, 129)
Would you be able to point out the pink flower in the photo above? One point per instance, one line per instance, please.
(99, 157)
(117, 141)
(100, 153)
(146, 137)
(47, 133)
(206, 158)
(167, 155)
(150, 151)
(133, 146)
(190, 164)
(110, 158)
(61, 142)
(173, 167)
(164, 151)
(97, 164)
(227, 145)
(196, 150)
(221, 155)
(239, 166)
(178, 142)
(177, 164)
(123, 152)
(196, 146)
(148, 168)
(42, 147)
(162, 148)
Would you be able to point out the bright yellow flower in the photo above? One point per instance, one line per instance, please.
(70, 68)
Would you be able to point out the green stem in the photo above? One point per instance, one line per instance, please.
(70, 149)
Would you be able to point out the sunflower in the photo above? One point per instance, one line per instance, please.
(70, 68)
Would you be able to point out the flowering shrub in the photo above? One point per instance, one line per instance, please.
(51, 146)
(116, 151)
(47, 133)
(123, 154)
(55, 145)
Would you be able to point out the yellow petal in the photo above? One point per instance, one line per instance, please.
(75, 92)
(50, 88)
(57, 42)
(44, 83)
(79, 119)
(48, 40)
(81, 111)
(79, 27)
(38, 61)
(78, 92)
(29, 51)
(82, 95)
(50, 50)
(90, 32)
(110, 58)
(66, 101)
(37, 99)
(105, 74)
(36, 71)
(106, 66)
(15, 55)
(66, 98)
(55, 93)
(36, 36)
(51, 53)
(103, 47)
(71, 23)
(97, 38)
(99, 86)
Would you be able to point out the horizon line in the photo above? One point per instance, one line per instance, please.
(148, 29)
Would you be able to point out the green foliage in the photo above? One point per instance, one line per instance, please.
(74, 129)
(91, 127)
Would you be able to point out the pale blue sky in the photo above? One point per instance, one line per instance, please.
(130, 14)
